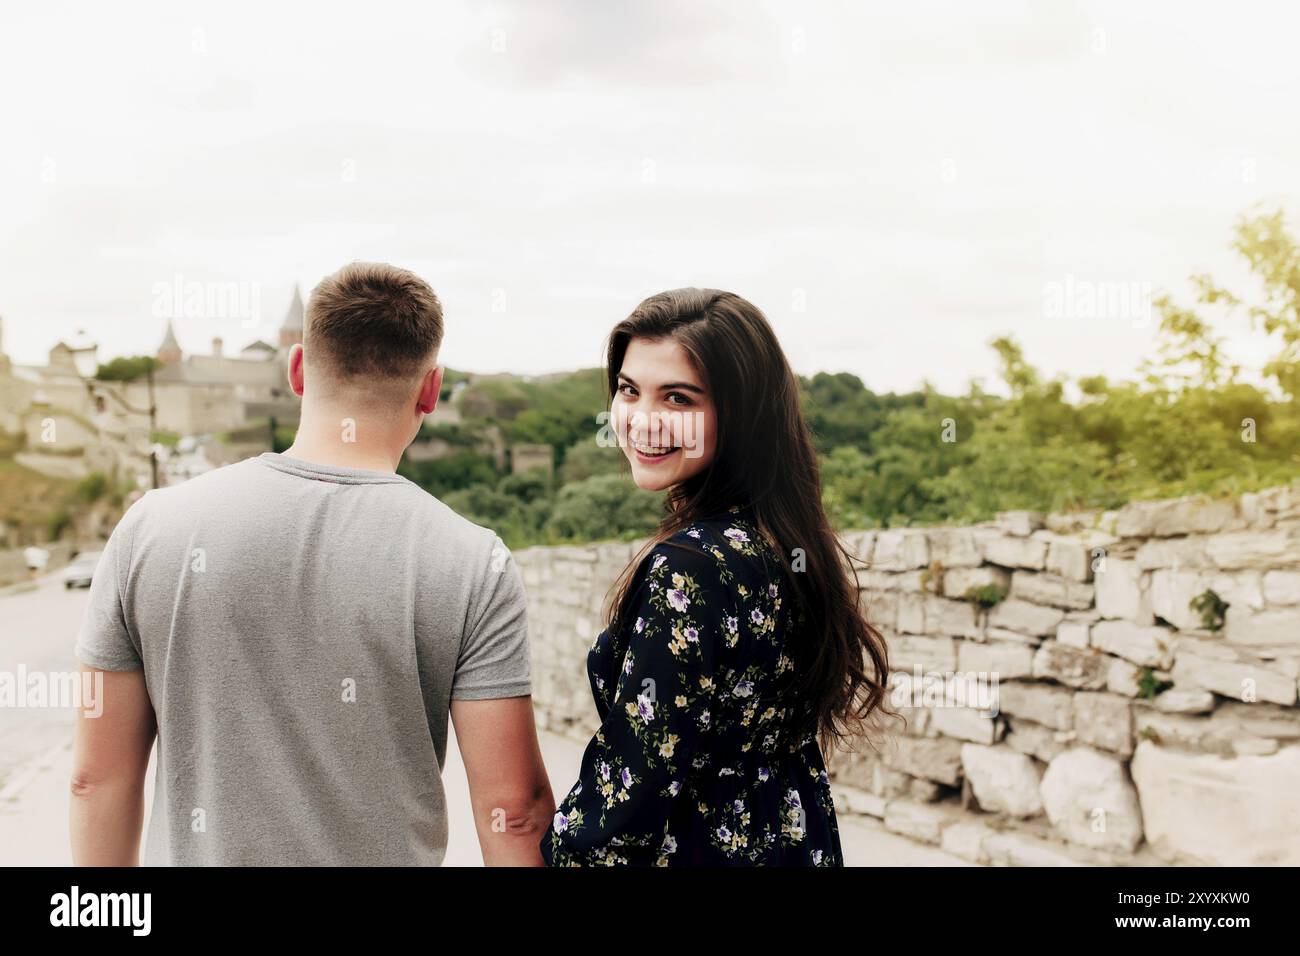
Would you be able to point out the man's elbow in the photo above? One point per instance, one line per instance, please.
(522, 812)
(87, 784)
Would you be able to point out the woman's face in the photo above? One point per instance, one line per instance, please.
(663, 414)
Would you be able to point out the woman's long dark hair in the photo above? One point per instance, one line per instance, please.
(765, 458)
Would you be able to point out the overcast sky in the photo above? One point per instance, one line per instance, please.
(893, 184)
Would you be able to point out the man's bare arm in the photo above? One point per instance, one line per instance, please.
(111, 755)
(508, 787)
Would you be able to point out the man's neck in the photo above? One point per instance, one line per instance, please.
(344, 442)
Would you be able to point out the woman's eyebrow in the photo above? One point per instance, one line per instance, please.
(684, 386)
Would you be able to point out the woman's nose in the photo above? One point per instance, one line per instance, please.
(653, 426)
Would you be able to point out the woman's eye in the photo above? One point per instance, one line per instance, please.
(677, 398)
(627, 390)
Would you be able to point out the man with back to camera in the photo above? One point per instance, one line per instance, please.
(296, 627)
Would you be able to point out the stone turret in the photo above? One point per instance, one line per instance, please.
(291, 328)
(169, 352)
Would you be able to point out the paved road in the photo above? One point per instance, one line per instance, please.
(38, 629)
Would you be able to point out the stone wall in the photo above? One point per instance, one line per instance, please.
(1140, 671)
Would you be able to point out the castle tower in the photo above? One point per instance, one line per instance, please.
(291, 328)
(77, 354)
(169, 352)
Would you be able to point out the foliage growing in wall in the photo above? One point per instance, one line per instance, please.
(1149, 733)
(1150, 686)
(1212, 609)
(932, 578)
(985, 595)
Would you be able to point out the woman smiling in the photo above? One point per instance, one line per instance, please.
(735, 651)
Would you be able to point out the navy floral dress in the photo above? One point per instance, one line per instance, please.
(693, 764)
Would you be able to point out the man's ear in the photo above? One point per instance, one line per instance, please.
(295, 369)
(430, 389)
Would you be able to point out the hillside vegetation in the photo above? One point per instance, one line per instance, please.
(1186, 421)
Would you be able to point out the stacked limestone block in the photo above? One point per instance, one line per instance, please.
(566, 589)
(1130, 724)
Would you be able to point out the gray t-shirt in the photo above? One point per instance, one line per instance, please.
(303, 629)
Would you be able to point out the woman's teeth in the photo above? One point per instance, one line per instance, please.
(653, 450)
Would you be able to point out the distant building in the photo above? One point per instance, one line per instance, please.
(76, 424)
(528, 457)
(213, 408)
(58, 387)
(291, 328)
(78, 355)
(169, 352)
(198, 394)
(258, 349)
(71, 427)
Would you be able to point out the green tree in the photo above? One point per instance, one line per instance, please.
(93, 487)
(587, 458)
(451, 472)
(604, 506)
(127, 368)
(842, 411)
(530, 486)
(507, 515)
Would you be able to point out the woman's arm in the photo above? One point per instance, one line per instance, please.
(636, 766)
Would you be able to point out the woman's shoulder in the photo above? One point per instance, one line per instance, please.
(719, 548)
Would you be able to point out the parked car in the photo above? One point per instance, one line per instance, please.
(79, 573)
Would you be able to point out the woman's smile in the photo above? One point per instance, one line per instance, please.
(653, 454)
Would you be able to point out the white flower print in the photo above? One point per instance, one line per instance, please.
(645, 707)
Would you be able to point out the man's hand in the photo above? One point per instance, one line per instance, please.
(508, 787)
(110, 758)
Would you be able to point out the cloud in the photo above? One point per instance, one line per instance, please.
(669, 43)
(915, 173)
